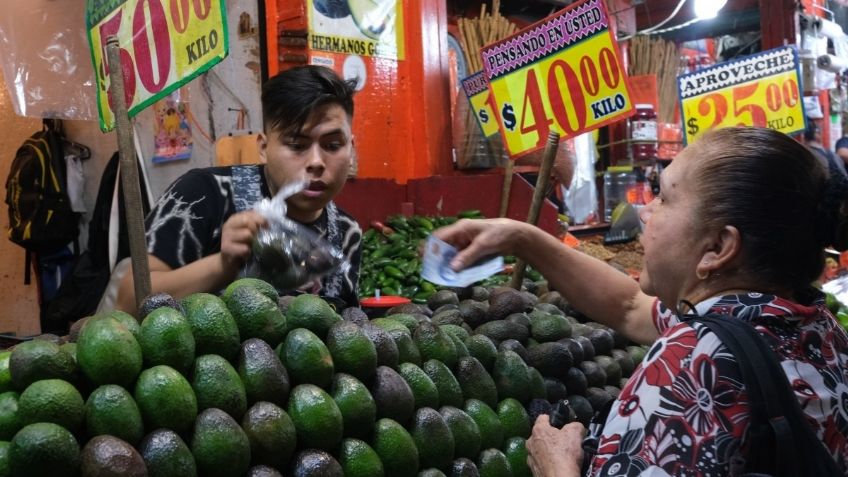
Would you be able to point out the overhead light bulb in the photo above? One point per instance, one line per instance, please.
(706, 9)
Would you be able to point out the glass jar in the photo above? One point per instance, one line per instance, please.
(618, 180)
(643, 131)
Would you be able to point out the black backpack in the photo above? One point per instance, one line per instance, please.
(41, 219)
(83, 288)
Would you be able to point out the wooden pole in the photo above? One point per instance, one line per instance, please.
(538, 200)
(507, 187)
(129, 175)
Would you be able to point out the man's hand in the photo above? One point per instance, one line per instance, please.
(555, 452)
(237, 236)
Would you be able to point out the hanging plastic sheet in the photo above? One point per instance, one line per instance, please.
(581, 197)
(46, 62)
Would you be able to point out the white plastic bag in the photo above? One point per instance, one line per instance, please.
(581, 197)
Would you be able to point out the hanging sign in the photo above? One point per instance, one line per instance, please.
(163, 45)
(357, 27)
(562, 73)
(757, 90)
(477, 91)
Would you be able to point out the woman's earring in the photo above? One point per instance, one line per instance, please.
(702, 276)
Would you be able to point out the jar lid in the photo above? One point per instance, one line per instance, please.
(645, 106)
(384, 301)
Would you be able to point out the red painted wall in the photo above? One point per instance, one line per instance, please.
(402, 118)
(375, 199)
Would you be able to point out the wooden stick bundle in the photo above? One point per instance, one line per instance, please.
(475, 33)
(649, 55)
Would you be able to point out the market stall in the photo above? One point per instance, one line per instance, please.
(557, 113)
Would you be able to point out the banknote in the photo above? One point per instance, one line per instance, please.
(436, 267)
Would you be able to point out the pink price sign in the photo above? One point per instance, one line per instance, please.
(563, 73)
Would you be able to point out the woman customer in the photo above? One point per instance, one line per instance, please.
(738, 229)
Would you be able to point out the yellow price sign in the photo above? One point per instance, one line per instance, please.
(477, 91)
(563, 74)
(163, 45)
(758, 90)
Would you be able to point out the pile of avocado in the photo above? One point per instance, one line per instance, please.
(391, 257)
(250, 383)
(567, 356)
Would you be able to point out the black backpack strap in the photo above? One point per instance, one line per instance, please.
(782, 440)
(767, 425)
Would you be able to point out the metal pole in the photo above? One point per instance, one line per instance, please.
(129, 175)
(538, 199)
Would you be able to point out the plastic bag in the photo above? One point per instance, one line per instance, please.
(286, 254)
(581, 197)
(46, 60)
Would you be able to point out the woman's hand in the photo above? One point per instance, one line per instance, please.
(477, 238)
(237, 236)
(555, 452)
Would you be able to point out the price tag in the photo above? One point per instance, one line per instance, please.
(757, 90)
(477, 91)
(163, 45)
(562, 73)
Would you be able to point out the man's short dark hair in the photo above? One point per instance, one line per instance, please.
(292, 95)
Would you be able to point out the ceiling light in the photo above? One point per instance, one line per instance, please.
(706, 9)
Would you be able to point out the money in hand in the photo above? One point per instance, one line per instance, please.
(436, 268)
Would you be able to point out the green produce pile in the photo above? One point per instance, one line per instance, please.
(391, 260)
(253, 384)
(839, 310)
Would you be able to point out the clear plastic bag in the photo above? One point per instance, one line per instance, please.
(287, 254)
(581, 197)
(46, 60)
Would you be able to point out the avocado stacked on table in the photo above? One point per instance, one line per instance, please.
(248, 384)
(565, 355)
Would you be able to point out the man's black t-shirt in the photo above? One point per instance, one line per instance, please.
(186, 224)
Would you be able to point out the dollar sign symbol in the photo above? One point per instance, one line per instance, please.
(508, 116)
(692, 126)
(483, 116)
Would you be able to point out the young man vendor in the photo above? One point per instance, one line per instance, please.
(199, 234)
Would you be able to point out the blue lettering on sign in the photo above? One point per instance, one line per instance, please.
(607, 106)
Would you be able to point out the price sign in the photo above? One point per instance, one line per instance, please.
(163, 45)
(758, 90)
(477, 91)
(562, 73)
